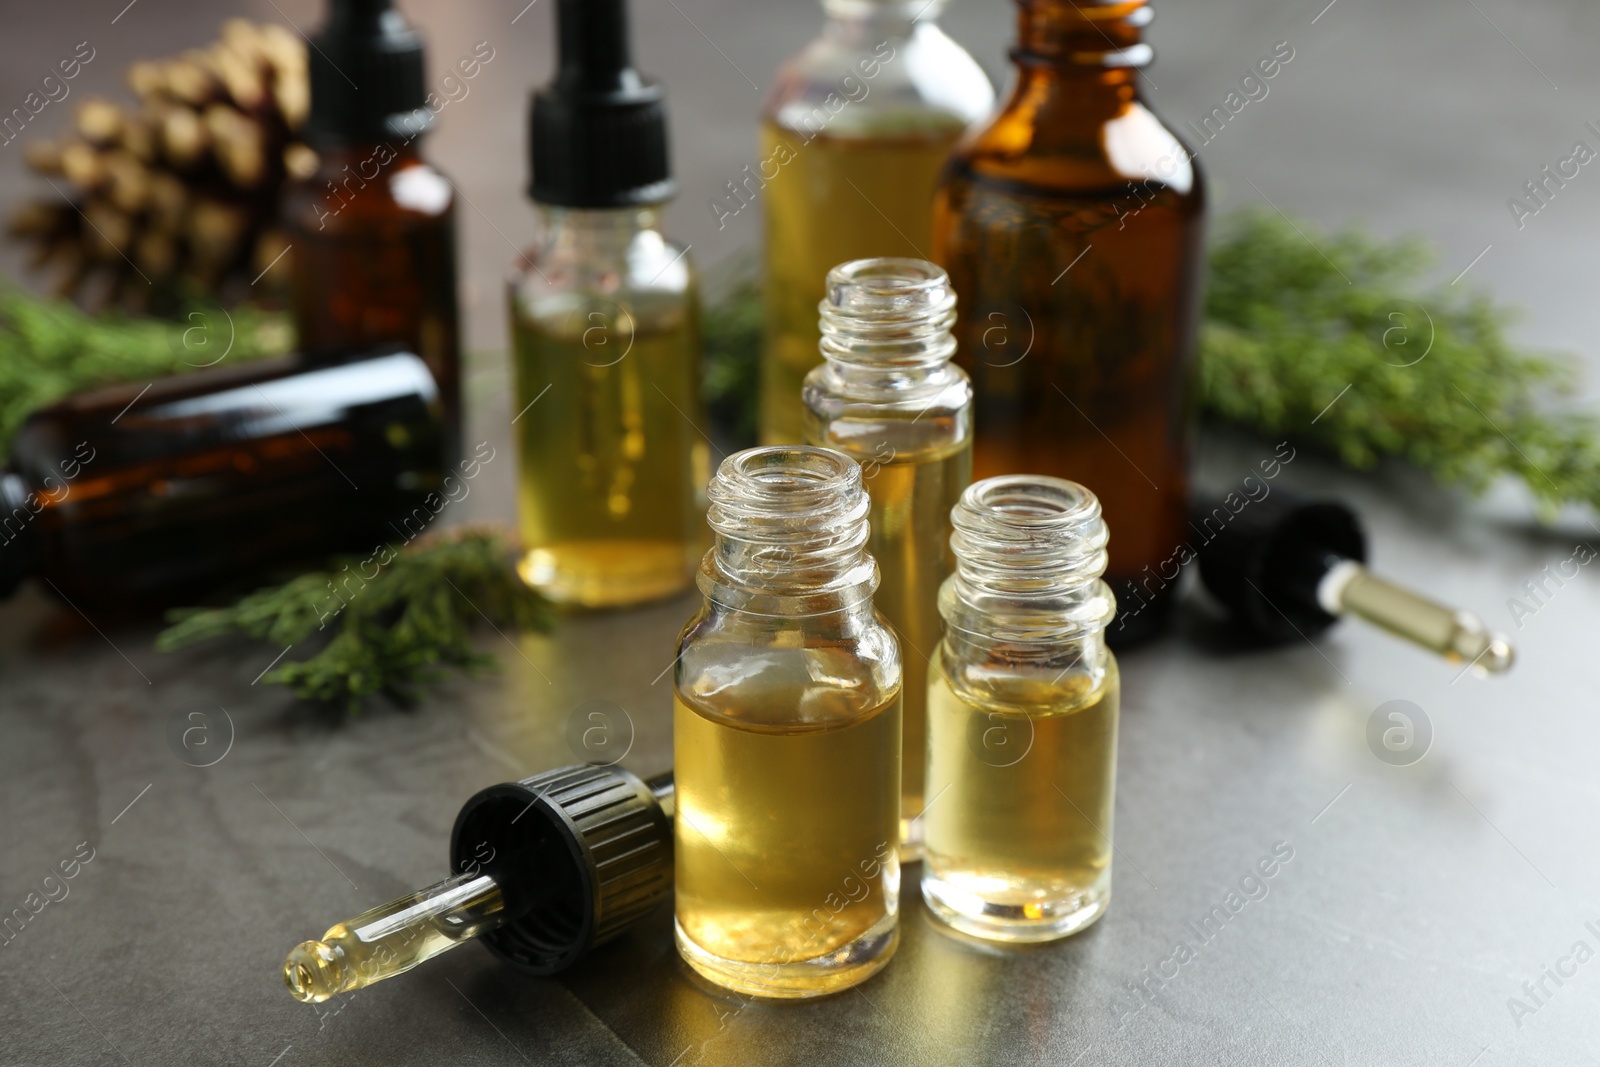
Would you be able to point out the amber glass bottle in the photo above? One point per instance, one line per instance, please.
(133, 496)
(1072, 228)
(372, 232)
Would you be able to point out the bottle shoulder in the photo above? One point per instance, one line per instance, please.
(644, 269)
(1033, 143)
(355, 190)
(858, 82)
(789, 674)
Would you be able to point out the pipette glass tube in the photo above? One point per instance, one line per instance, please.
(394, 937)
(1459, 636)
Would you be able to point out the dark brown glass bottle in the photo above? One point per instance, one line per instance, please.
(1071, 226)
(372, 231)
(134, 497)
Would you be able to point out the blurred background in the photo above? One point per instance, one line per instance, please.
(1419, 117)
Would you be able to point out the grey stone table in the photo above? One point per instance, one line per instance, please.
(1413, 904)
(1421, 907)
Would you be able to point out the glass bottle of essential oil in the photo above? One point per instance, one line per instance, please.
(1071, 227)
(854, 132)
(141, 496)
(1022, 716)
(371, 233)
(605, 327)
(888, 396)
(786, 736)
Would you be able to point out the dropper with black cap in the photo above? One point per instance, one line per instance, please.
(605, 318)
(1288, 566)
(371, 231)
(546, 869)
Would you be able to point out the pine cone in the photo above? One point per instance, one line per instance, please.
(174, 198)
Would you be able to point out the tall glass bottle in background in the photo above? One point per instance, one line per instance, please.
(605, 327)
(1072, 228)
(854, 132)
(888, 396)
(372, 231)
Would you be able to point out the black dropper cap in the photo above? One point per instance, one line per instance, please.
(1265, 561)
(19, 544)
(580, 853)
(599, 130)
(367, 79)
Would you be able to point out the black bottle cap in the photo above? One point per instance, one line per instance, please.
(367, 79)
(580, 854)
(599, 130)
(1264, 561)
(19, 540)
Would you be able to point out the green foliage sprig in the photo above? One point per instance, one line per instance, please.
(1330, 340)
(396, 618)
(50, 349)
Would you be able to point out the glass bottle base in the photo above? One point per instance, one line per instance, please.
(1013, 913)
(846, 966)
(608, 574)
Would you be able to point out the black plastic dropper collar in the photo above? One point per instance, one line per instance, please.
(599, 130)
(367, 78)
(581, 854)
(1265, 562)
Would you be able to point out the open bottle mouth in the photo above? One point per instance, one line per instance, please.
(790, 520)
(1085, 33)
(888, 313)
(1030, 550)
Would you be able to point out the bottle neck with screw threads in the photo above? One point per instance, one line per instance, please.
(791, 533)
(887, 388)
(1027, 590)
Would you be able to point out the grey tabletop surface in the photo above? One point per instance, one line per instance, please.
(1446, 911)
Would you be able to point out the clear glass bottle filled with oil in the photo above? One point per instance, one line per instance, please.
(605, 331)
(888, 396)
(786, 736)
(1022, 716)
(854, 133)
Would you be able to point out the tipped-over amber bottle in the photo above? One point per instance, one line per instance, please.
(1072, 228)
(137, 496)
(371, 232)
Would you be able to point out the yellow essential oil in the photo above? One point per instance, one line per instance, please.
(1025, 774)
(611, 457)
(888, 396)
(911, 501)
(837, 198)
(786, 846)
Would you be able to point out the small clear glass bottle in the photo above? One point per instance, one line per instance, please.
(1022, 716)
(854, 133)
(606, 337)
(888, 396)
(786, 736)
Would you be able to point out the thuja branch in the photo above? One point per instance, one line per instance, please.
(391, 622)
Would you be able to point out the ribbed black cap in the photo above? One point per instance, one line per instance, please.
(599, 130)
(580, 853)
(1265, 561)
(367, 78)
